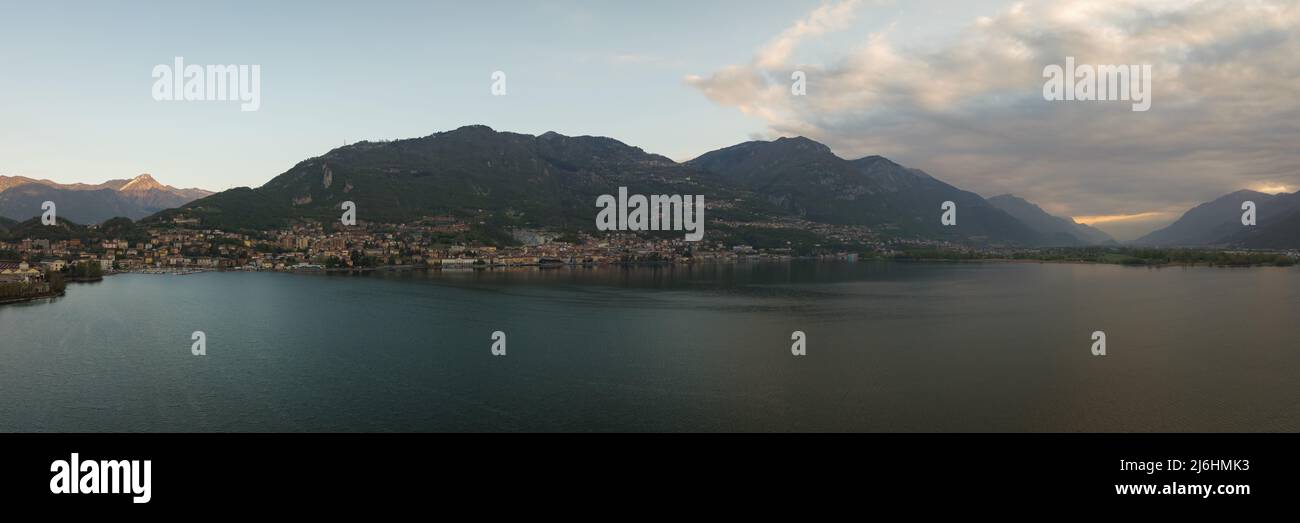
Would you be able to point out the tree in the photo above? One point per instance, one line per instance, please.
(87, 270)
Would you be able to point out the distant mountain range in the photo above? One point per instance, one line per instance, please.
(1218, 223)
(552, 180)
(1058, 230)
(496, 180)
(136, 198)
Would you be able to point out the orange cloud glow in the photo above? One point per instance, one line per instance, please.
(1112, 218)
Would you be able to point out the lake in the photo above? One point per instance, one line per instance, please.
(893, 347)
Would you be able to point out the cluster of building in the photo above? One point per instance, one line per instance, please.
(436, 243)
(432, 243)
(19, 272)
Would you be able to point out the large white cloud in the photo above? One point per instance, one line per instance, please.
(1226, 76)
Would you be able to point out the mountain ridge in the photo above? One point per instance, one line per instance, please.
(502, 179)
(807, 179)
(1217, 223)
(546, 180)
(21, 198)
(1061, 230)
(551, 180)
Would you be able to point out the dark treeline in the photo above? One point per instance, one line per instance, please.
(1113, 255)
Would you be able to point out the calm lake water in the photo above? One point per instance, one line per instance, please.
(891, 347)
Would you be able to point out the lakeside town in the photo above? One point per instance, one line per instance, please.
(39, 267)
(434, 243)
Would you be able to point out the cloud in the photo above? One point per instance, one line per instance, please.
(824, 19)
(1094, 220)
(970, 110)
(1272, 188)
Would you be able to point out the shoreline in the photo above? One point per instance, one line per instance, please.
(742, 261)
(1091, 262)
(25, 299)
(633, 265)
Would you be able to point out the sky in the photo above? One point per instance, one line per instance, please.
(951, 87)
